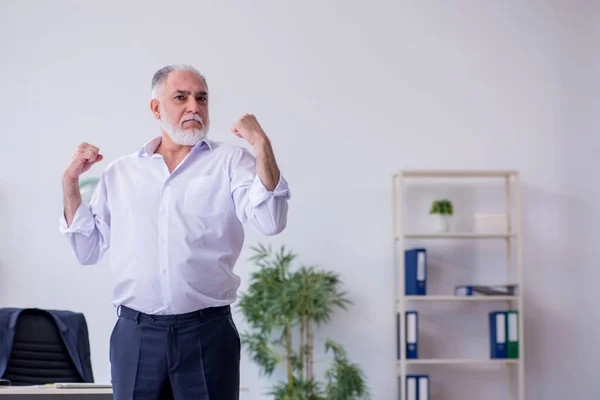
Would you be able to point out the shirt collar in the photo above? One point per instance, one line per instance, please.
(150, 147)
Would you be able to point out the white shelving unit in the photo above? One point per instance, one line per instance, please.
(512, 239)
(458, 298)
(458, 235)
(458, 361)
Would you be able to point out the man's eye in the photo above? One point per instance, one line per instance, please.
(179, 97)
(202, 99)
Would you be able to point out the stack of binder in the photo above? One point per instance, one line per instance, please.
(504, 334)
(415, 266)
(417, 387)
(486, 290)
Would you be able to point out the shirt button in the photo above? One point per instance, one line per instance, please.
(164, 271)
(164, 210)
(162, 239)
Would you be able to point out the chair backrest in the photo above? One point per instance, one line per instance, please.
(39, 355)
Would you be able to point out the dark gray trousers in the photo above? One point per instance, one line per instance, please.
(186, 356)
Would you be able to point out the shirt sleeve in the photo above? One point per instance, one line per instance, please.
(89, 233)
(265, 210)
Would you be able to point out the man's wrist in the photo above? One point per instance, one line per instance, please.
(69, 181)
(260, 140)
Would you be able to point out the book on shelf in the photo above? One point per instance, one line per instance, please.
(512, 330)
(415, 267)
(486, 290)
(411, 332)
(504, 334)
(417, 387)
(498, 334)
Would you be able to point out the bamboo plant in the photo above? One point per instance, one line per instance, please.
(283, 307)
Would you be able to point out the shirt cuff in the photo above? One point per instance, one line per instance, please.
(83, 222)
(259, 193)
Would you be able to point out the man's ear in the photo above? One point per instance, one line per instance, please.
(155, 107)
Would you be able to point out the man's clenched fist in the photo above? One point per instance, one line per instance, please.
(85, 156)
(248, 128)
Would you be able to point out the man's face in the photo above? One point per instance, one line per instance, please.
(184, 108)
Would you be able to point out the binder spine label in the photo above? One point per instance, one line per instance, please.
(500, 328)
(411, 388)
(424, 388)
(420, 266)
(513, 332)
(411, 336)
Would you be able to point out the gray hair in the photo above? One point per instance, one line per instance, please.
(161, 76)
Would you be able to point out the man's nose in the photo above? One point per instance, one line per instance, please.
(192, 106)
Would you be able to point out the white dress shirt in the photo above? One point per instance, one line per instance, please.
(175, 238)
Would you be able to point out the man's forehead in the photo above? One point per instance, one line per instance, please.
(185, 80)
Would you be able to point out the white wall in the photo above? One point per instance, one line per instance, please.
(349, 92)
(579, 195)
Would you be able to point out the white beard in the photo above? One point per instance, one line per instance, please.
(184, 137)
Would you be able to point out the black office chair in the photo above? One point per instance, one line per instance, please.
(39, 355)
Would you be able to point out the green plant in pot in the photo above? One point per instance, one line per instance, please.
(443, 210)
(282, 307)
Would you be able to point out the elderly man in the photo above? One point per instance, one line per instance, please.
(172, 215)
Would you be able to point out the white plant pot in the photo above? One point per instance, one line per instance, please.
(442, 223)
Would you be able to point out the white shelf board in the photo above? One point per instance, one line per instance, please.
(460, 298)
(457, 174)
(463, 235)
(459, 361)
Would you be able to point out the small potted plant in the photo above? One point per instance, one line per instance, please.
(444, 210)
